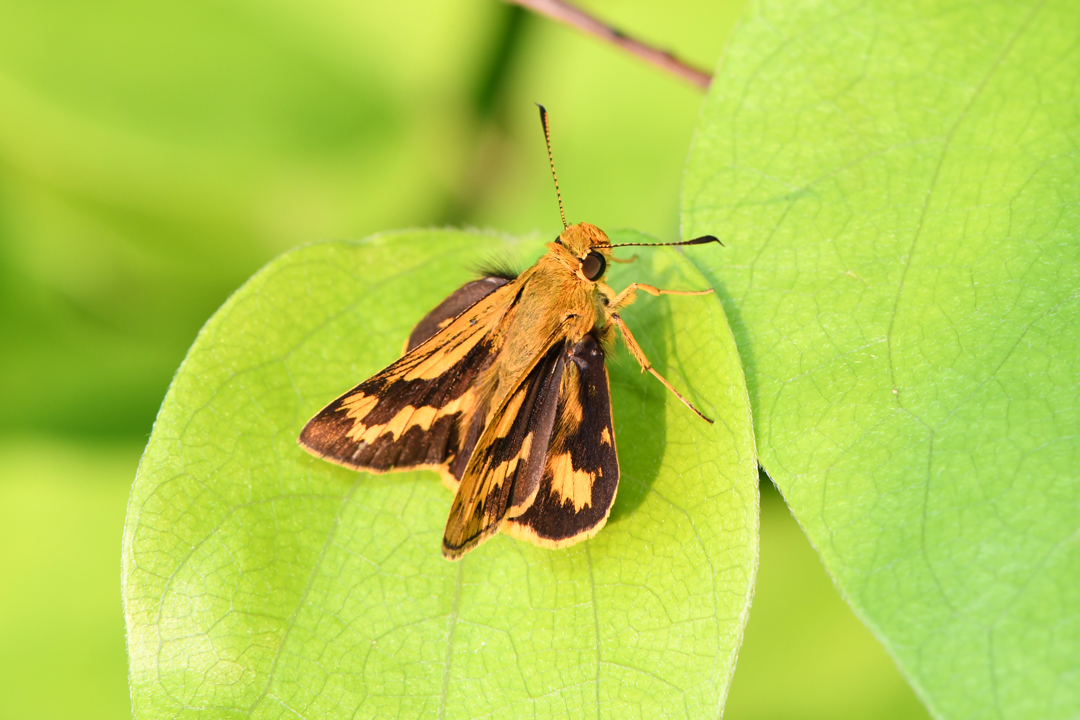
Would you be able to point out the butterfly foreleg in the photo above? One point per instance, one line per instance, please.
(639, 355)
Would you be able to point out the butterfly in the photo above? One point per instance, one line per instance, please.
(503, 390)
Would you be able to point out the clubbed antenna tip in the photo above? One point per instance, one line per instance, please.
(696, 241)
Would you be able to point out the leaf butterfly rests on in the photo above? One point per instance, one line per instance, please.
(502, 389)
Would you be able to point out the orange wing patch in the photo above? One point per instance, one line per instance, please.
(423, 417)
(570, 485)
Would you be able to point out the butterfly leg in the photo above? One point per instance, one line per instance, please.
(639, 355)
(628, 294)
(624, 261)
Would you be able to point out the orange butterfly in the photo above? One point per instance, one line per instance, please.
(502, 389)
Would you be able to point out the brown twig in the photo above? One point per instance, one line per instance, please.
(566, 13)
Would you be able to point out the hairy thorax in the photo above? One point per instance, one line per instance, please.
(554, 305)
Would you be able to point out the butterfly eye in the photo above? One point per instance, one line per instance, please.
(593, 266)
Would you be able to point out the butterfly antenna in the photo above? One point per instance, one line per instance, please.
(551, 161)
(696, 241)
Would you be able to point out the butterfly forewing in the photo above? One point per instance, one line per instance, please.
(504, 471)
(409, 415)
(458, 302)
(581, 474)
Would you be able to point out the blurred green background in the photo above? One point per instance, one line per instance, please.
(154, 155)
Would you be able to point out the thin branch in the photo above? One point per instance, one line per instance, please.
(566, 13)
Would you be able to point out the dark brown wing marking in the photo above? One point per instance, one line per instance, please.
(581, 475)
(504, 471)
(409, 414)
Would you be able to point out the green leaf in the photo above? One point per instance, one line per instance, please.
(260, 582)
(898, 186)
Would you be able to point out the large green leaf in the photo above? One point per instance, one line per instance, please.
(899, 187)
(259, 581)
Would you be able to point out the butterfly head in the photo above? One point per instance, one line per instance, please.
(585, 250)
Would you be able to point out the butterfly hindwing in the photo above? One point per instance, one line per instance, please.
(581, 473)
(504, 471)
(410, 414)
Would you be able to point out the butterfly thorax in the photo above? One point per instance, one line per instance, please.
(555, 303)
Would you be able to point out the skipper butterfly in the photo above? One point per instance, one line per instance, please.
(503, 390)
